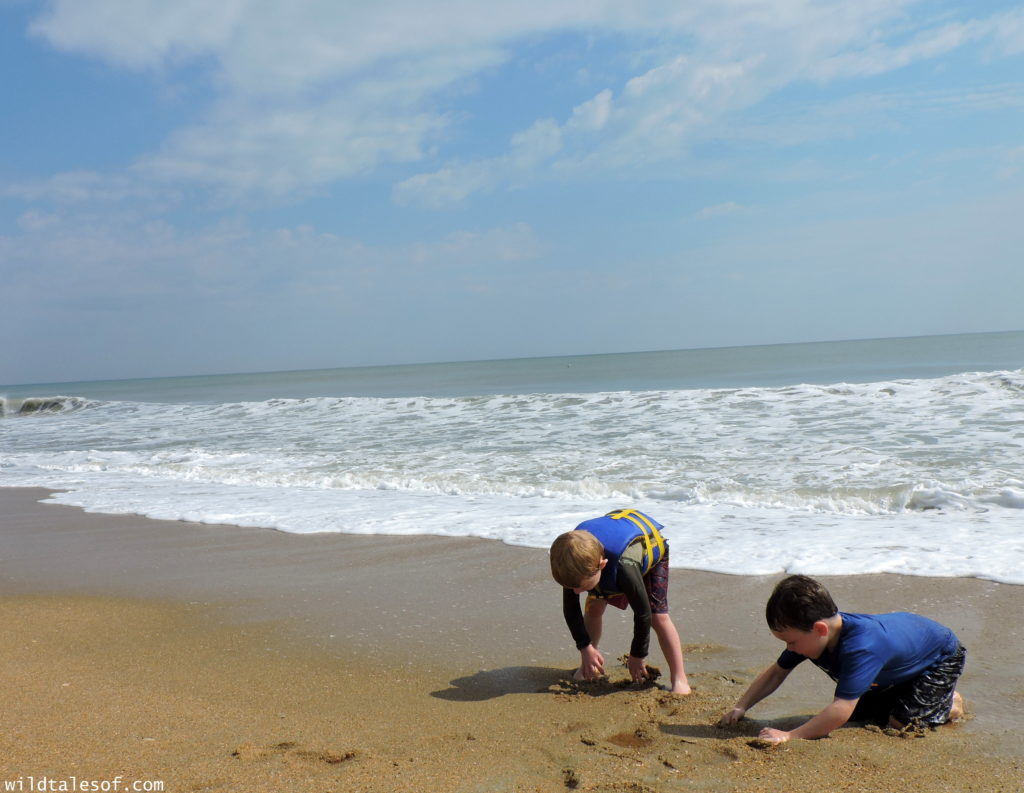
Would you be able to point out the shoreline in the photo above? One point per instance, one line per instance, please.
(428, 658)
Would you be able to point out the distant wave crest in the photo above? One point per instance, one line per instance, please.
(35, 406)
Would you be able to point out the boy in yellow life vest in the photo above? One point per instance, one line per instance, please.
(621, 559)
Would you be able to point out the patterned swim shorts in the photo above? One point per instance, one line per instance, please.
(924, 701)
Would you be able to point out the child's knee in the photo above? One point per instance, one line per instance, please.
(661, 621)
(595, 607)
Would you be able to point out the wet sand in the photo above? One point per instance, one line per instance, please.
(216, 658)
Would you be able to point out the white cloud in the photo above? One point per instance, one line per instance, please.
(247, 150)
(1009, 32)
(1012, 164)
(878, 57)
(265, 47)
(740, 56)
(83, 257)
(528, 150)
(881, 111)
(141, 34)
(314, 92)
(33, 221)
(516, 243)
(449, 185)
(719, 210)
(737, 55)
(592, 115)
(80, 187)
(648, 123)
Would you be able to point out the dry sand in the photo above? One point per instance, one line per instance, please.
(210, 658)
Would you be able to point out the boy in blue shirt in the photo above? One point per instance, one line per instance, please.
(890, 669)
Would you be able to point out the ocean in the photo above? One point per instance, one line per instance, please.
(889, 455)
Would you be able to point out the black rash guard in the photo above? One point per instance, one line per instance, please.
(631, 582)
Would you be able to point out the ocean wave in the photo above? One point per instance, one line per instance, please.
(795, 475)
(732, 539)
(745, 401)
(839, 399)
(321, 472)
(36, 406)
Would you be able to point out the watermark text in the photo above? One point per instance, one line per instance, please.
(74, 784)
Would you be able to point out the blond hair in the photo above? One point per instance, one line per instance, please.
(575, 556)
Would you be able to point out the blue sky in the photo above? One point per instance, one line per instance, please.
(256, 185)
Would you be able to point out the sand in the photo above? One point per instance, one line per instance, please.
(188, 657)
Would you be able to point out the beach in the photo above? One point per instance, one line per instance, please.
(193, 657)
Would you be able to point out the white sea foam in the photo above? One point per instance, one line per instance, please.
(910, 476)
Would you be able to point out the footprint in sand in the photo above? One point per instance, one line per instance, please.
(288, 750)
(637, 739)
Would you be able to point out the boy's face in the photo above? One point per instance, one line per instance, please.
(810, 643)
(591, 581)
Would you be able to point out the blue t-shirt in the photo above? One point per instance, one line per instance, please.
(880, 650)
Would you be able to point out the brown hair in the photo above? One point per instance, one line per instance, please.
(798, 602)
(575, 555)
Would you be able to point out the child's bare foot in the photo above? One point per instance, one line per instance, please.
(681, 687)
(957, 711)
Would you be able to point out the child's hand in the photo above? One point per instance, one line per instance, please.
(773, 735)
(591, 663)
(733, 716)
(637, 668)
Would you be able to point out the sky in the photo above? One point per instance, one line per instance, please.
(259, 185)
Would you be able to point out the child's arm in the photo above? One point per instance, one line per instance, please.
(769, 680)
(591, 660)
(832, 717)
(632, 583)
